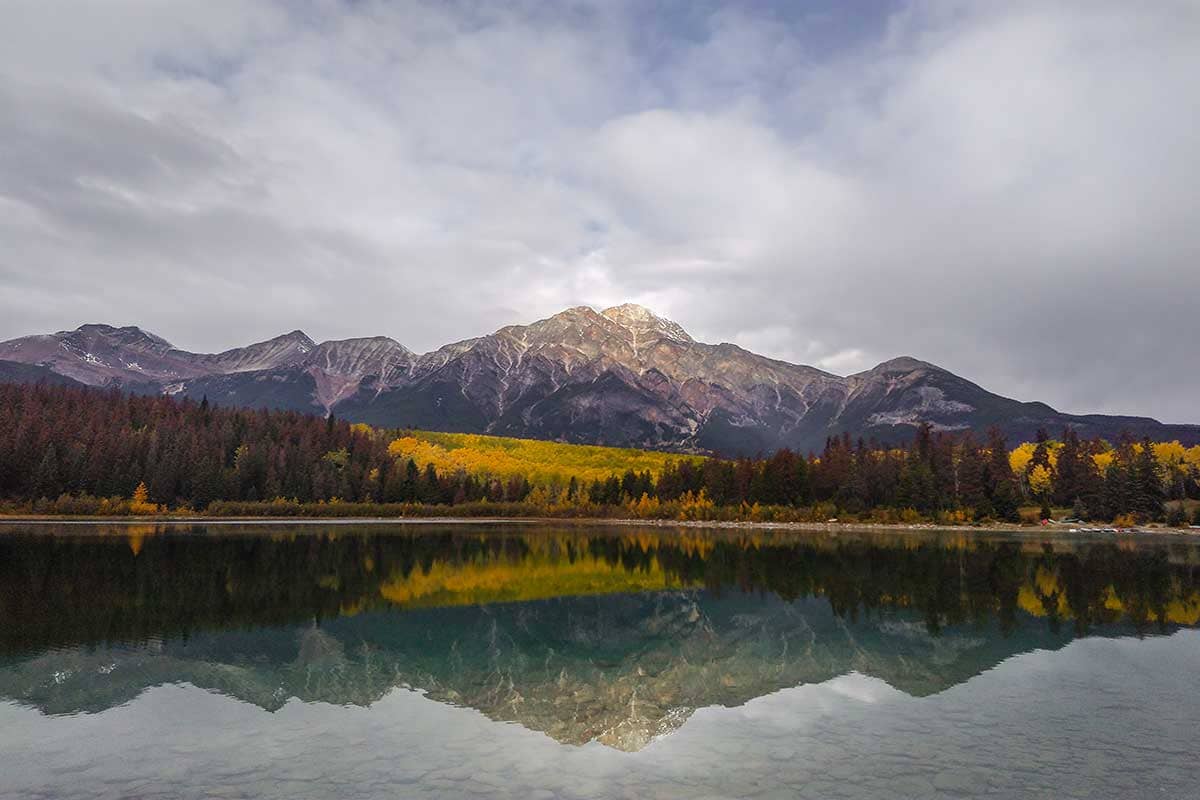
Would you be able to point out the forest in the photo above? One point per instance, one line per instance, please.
(68, 450)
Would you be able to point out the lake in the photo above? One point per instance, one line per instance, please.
(527, 661)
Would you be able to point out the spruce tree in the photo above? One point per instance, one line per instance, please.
(1001, 483)
(1118, 493)
(1068, 483)
(1148, 492)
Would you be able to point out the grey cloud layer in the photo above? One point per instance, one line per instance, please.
(1005, 189)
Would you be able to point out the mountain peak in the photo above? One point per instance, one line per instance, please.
(296, 340)
(377, 347)
(629, 311)
(644, 321)
(572, 314)
(298, 336)
(126, 334)
(904, 364)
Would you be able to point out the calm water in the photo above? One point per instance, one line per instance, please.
(460, 661)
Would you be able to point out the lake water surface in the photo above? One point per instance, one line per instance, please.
(443, 660)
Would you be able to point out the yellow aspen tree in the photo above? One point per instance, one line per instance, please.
(1040, 481)
(1019, 458)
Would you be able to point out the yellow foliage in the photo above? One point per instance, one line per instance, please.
(137, 536)
(1040, 480)
(1040, 605)
(646, 507)
(140, 504)
(1184, 611)
(537, 461)
(698, 506)
(1192, 457)
(1019, 458)
(536, 576)
(1046, 582)
(1170, 454)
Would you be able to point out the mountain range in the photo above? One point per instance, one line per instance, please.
(622, 376)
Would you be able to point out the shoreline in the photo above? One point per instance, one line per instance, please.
(1030, 531)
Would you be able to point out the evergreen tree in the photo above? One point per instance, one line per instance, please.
(1148, 491)
(1000, 481)
(1119, 491)
(917, 487)
(430, 489)
(1068, 483)
(971, 469)
(412, 479)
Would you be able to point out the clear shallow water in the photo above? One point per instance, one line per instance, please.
(450, 661)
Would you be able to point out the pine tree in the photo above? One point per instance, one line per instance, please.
(430, 487)
(1001, 484)
(1118, 491)
(1068, 481)
(971, 473)
(1148, 492)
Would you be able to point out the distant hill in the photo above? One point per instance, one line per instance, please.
(14, 372)
(622, 376)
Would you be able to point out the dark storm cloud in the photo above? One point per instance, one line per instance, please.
(1005, 189)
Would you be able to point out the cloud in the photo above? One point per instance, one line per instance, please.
(1005, 189)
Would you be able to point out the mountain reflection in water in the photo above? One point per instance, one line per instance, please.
(607, 634)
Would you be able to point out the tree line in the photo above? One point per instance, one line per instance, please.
(80, 450)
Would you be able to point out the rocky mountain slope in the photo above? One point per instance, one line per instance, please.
(621, 376)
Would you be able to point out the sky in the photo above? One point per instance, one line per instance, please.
(1009, 190)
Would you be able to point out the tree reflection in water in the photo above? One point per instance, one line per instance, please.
(610, 634)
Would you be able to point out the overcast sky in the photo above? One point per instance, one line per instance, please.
(1010, 190)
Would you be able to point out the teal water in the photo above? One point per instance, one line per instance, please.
(534, 661)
